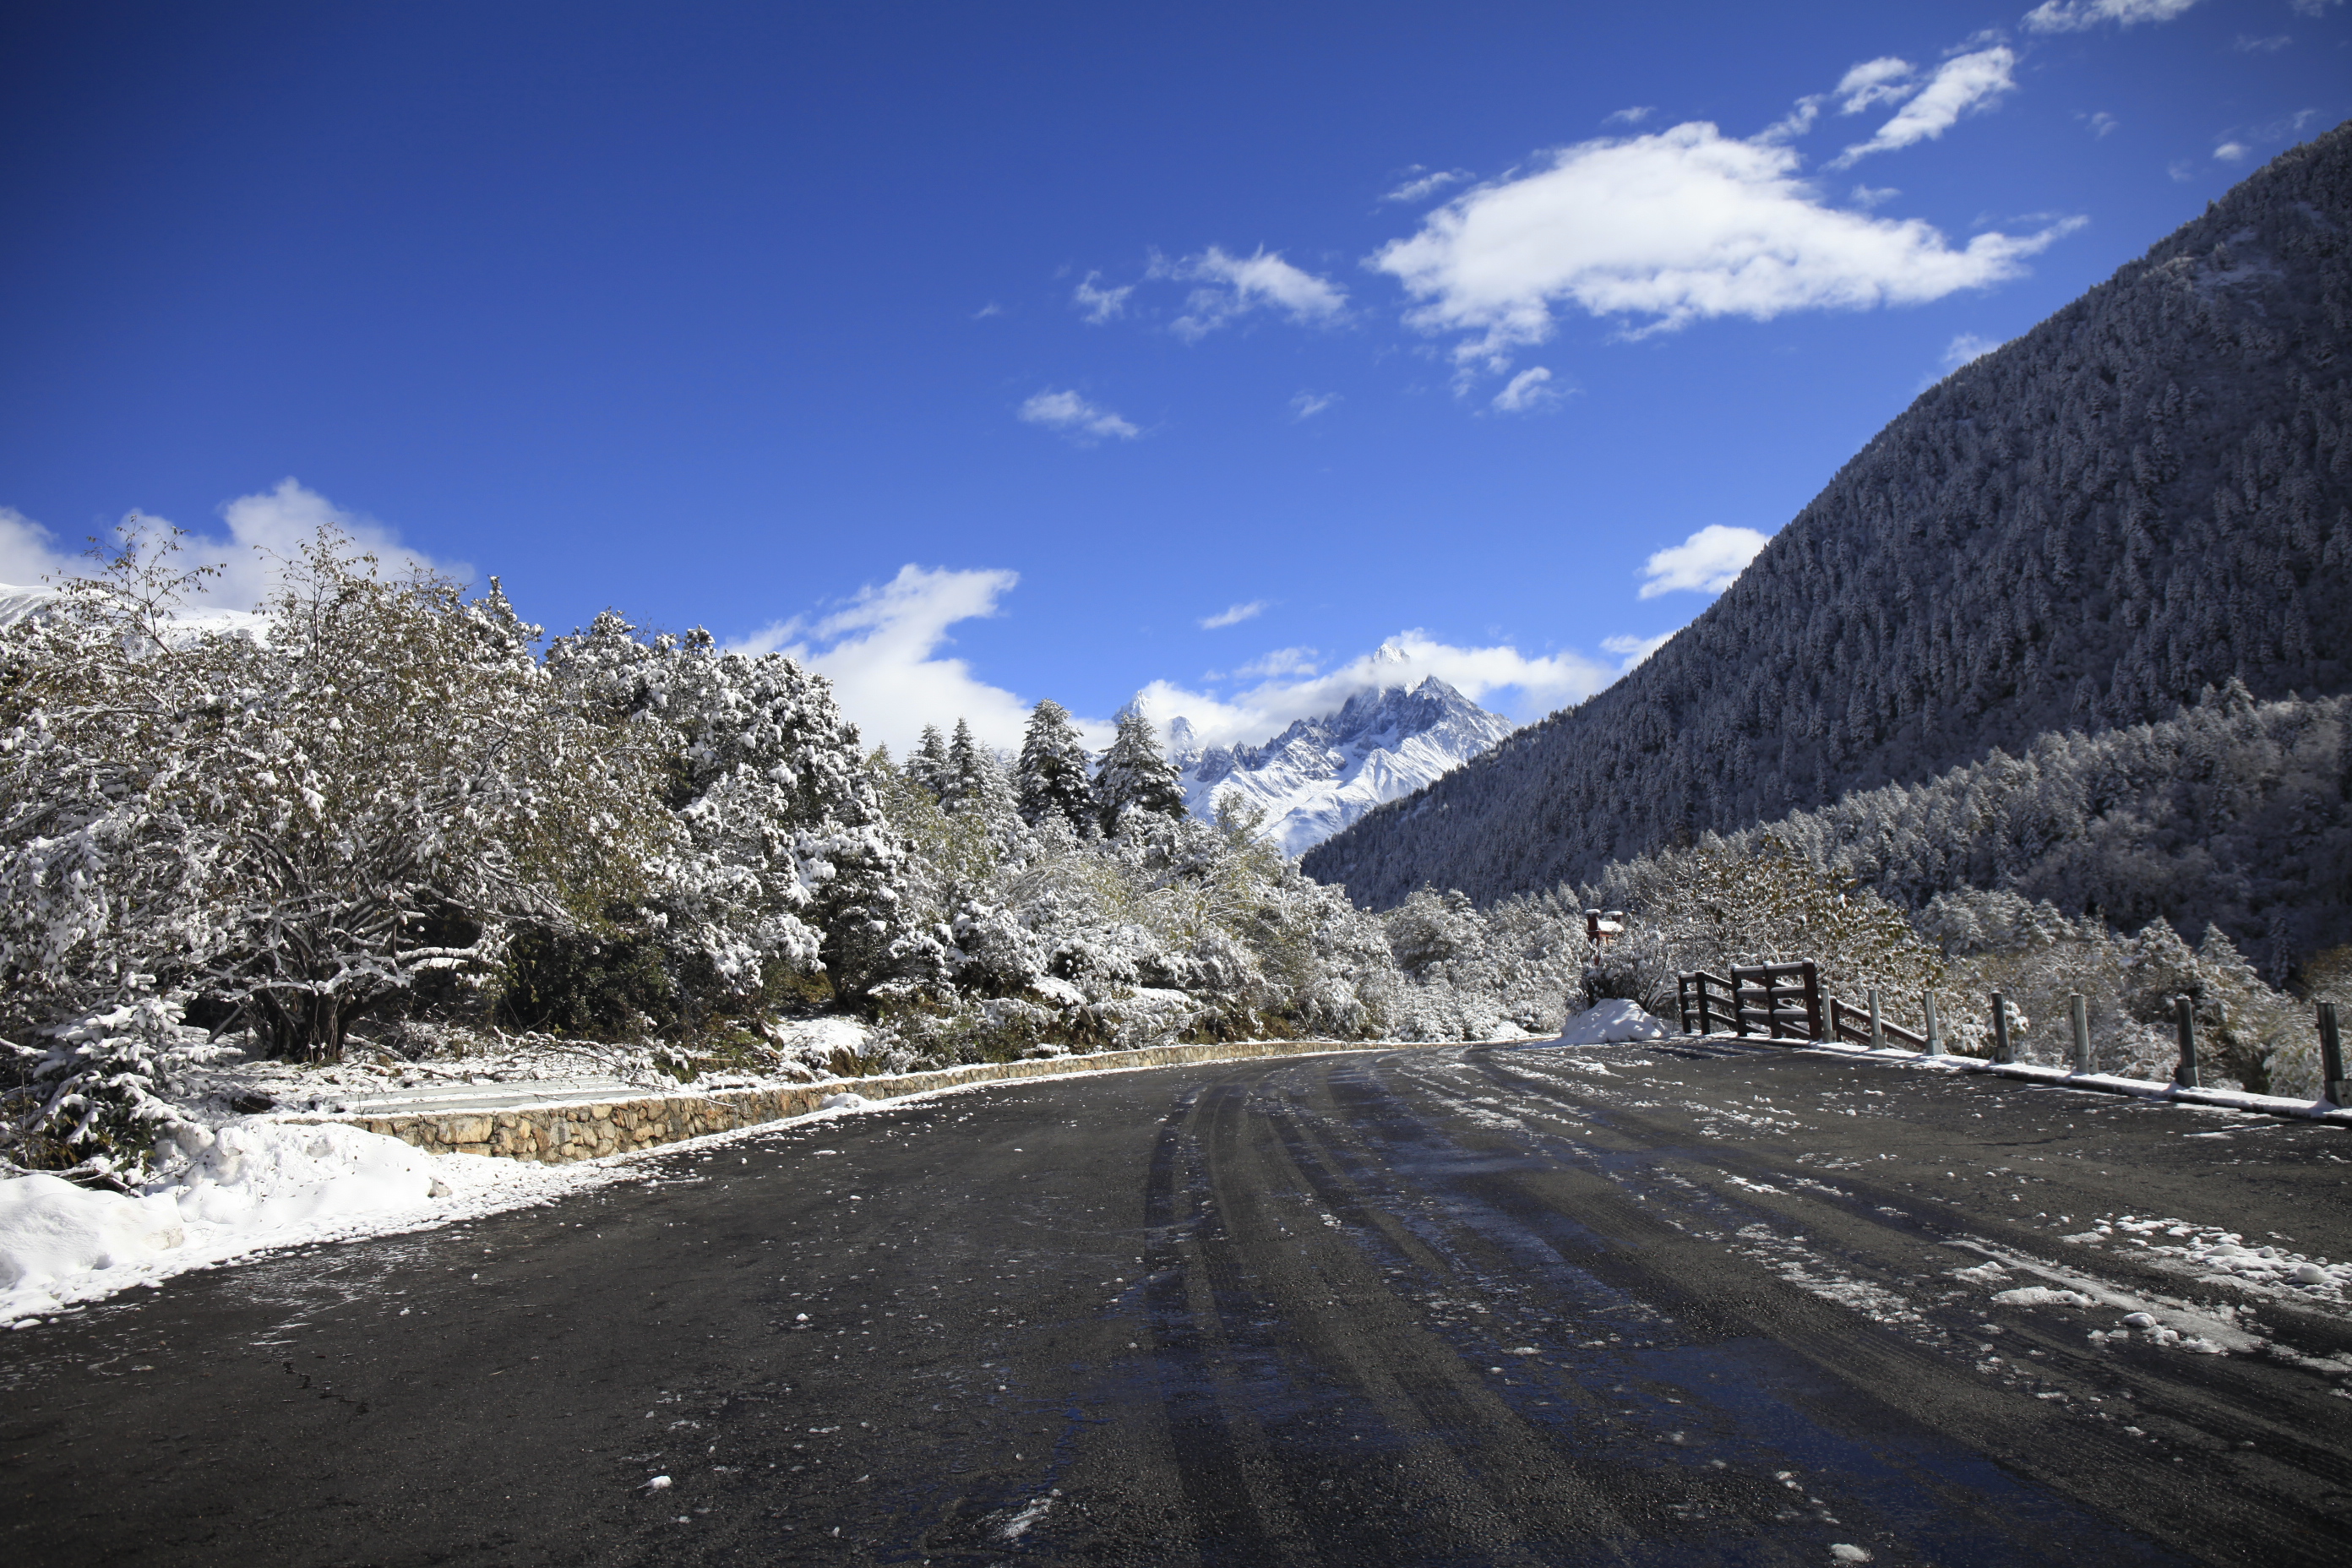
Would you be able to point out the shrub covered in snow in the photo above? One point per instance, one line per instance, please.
(292, 830)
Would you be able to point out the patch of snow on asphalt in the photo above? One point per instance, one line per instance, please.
(2162, 1321)
(2042, 1296)
(2219, 1256)
(1015, 1527)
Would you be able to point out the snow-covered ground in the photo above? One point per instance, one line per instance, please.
(234, 1176)
(474, 1071)
(239, 1188)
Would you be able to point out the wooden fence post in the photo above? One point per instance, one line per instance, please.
(1812, 977)
(1935, 1031)
(2082, 1034)
(2000, 1027)
(2331, 1058)
(1877, 1030)
(2184, 1013)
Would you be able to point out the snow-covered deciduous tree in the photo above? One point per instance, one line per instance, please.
(1053, 778)
(2042, 957)
(1713, 906)
(289, 829)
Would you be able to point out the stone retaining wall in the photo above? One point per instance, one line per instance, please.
(555, 1134)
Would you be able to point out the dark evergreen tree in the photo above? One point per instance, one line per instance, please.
(1135, 773)
(1051, 779)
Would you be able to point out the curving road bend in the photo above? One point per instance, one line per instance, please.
(1661, 1304)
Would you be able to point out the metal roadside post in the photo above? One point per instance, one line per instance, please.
(2001, 1028)
(2336, 1090)
(1935, 1030)
(2082, 1034)
(2185, 1011)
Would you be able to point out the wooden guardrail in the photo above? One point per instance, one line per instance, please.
(1866, 1026)
(1779, 1001)
(1784, 1002)
(1705, 1000)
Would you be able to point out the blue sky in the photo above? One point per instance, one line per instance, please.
(985, 353)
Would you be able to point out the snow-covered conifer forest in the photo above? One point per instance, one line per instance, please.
(2148, 494)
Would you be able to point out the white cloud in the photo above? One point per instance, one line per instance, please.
(1969, 346)
(2100, 123)
(29, 553)
(2181, 169)
(1965, 84)
(1422, 185)
(1865, 198)
(1527, 392)
(881, 651)
(2311, 7)
(1307, 404)
(1674, 225)
(1073, 417)
(1882, 81)
(1100, 305)
(1708, 562)
(991, 309)
(1500, 678)
(2233, 151)
(265, 530)
(1634, 651)
(1236, 285)
(1233, 614)
(2268, 45)
(2080, 15)
(1795, 123)
(1634, 115)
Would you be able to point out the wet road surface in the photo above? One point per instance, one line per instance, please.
(1658, 1304)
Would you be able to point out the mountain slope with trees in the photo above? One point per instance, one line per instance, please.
(2148, 493)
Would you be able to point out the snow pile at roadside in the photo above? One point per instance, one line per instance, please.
(1611, 1022)
(237, 1189)
(50, 1228)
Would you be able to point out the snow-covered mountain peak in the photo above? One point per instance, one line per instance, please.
(1322, 773)
(27, 603)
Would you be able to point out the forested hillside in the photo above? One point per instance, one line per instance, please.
(2231, 814)
(2148, 493)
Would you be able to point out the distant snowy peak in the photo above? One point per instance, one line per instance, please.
(29, 603)
(1322, 773)
(18, 604)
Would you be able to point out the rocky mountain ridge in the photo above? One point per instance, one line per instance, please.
(1322, 773)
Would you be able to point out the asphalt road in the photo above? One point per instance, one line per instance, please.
(1477, 1305)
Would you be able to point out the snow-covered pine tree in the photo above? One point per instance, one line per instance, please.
(1051, 779)
(1134, 773)
(788, 856)
(978, 787)
(927, 764)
